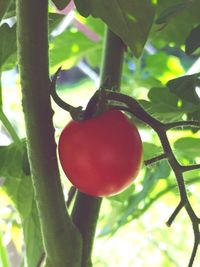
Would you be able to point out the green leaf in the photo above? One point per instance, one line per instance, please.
(188, 147)
(193, 40)
(123, 196)
(130, 20)
(54, 20)
(4, 5)
(142, 198)
(11, 11)
(3, 254)
(8, 46)
(194, 116)
(96, 25)
(185, 88)
(19, 188)
(78, 45)
(84, 7)
(163, 104)
(163, 111)
(60, 4)
(179, 23)
(98, 28)
(170, 12)
(163, 67)
(162, 95)
(150, 150)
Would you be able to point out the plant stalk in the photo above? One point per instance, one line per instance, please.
(61, 239)
(112, 61)
(86, 208)
(85, 216)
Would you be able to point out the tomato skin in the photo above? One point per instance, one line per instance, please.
(101, 156)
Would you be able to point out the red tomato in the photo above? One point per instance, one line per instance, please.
(101, 156)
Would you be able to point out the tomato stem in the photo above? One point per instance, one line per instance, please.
(112, 61)
(86, 209)
(75, 112)
(85, 216)
(57, 228)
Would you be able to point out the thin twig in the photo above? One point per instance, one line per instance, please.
(75, 112)
(161, 128)
(196, 243)
(190, 167)
(175, 213)
(155, 159)
(191, 123)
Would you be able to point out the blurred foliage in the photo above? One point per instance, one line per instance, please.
(3, 254)
(192, 42)
(8, 47)
(18, 186)
(62, 54)
(174, 21)
(154, 79)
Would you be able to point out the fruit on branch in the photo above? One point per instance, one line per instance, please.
(101, 156)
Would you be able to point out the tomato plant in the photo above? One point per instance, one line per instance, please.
(144, 72)
(101, 156)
